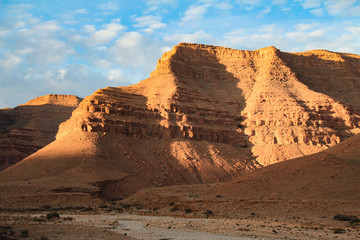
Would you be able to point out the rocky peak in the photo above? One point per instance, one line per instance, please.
(55, 99)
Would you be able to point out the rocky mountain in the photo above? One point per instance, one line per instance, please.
(276, 105)
(205, 114)
(31, 126)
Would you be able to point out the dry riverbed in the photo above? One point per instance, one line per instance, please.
(113, 225)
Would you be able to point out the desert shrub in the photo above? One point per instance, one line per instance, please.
(52, 215)
(68, 218)
(39, 220)
(209, 213)
(118, 209)
(46, 207)
(24, 234)
(125, 206)
(188, 210)
(5, 227)
(339, 230)
(88, 209)
(175, 208)
(348, 218)
(138, 206)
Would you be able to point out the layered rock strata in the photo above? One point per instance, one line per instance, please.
(277, 105)
(205, 114)
(31, 126)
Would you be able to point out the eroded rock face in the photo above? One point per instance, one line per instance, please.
(31, 126)
(205, 114)
(276, 105)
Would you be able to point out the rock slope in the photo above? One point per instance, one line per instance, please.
(276, 105)
(324, 183)
(31, 126)
(205, 114)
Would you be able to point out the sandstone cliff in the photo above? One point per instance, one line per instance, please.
(205, 114)
(276, 105)
(31, 126)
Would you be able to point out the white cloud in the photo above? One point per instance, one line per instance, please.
(81, 11)
(103, 64)
(223, 5)
(304, 26)
(115, 75)
(57, 75)
(249, 4)
(160, 2)
(311, 4)
(24, 51)
(40, 43)
(128, 50)
(19, 7)
(279, 2)
(194, 13)
(110, 6)
(47, 28)
(336, 7)
(250, 39)
(159, 6)
(332, 7)
(264, 12)
(354, 11)
(71, 22)
(149, 23)
(307, 32)
(196, 37)
(355, 30)
(9, 61)
(136, 55)
(89, 28)
(319, 12)
(317, 33)
(129, 40)
(108, 32)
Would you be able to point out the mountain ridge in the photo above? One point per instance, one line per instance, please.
(205, 114)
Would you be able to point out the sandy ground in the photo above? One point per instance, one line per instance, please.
(112, 225)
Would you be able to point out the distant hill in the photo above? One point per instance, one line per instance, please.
(31, 126)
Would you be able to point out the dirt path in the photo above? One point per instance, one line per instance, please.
(152, 228)
(114, 226)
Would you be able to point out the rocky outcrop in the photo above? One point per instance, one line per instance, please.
(205, 114)
(31, 126)
(269, 102)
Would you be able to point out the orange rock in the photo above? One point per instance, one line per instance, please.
(210, 113)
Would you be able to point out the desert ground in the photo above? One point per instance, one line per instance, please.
(268, 219)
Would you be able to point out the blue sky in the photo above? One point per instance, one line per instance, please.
(76, 47)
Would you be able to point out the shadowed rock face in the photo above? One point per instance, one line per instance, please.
(276, 105)
(205, 114)
(31, 126)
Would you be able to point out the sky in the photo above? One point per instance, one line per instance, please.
(79, 46)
